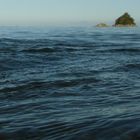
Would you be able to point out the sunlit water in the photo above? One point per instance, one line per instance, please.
(70, 83)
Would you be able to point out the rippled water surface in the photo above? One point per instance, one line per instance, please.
(70, 83)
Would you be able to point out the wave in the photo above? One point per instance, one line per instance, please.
(27, 86)
(132, 66)
(75, 82)
(41, 50)
(53, 130)
(123, 50)
(51, 50)
(51, 84)
(103, 129)
(127, 67)
(43, 45)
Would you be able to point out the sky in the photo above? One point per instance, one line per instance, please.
(43, 12)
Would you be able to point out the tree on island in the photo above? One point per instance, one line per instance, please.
(125, 20)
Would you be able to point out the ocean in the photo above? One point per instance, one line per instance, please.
(69, 83)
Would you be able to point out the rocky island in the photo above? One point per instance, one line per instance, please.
(102, 25)
(125, 21)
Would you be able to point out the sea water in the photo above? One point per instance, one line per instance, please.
(69, 83)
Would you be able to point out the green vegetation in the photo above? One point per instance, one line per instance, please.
(125, 20)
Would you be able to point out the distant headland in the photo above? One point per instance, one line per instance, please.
(123, 21)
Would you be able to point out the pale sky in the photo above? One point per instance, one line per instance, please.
(32, 12)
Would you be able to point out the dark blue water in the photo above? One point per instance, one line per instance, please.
(70, 83)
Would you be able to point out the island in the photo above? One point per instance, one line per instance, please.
(125, 21)
(102, 25)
